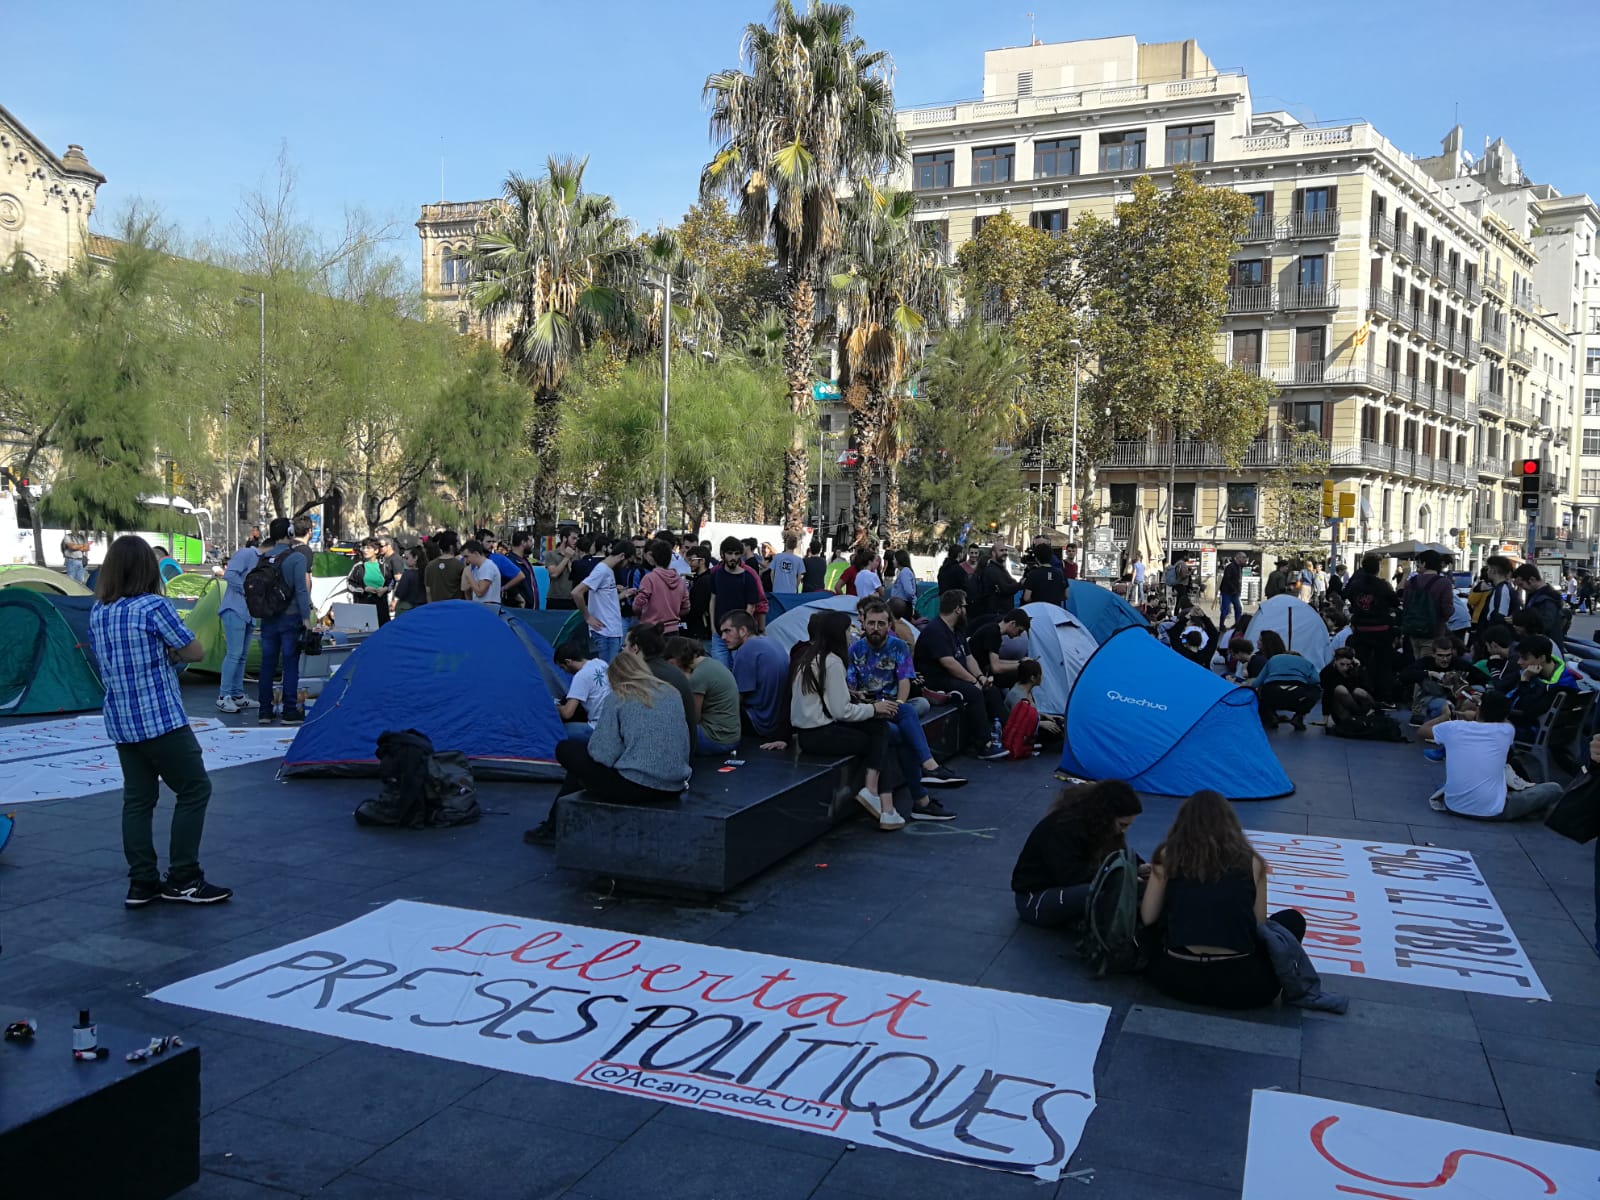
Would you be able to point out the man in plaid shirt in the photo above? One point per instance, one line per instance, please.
(139, 638)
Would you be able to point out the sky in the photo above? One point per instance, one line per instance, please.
(185, 104)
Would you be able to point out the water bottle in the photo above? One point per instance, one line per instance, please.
(994, 735)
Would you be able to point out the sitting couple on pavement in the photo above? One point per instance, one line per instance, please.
(1203, 897)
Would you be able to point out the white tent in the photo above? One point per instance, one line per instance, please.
(1298, 624)
(789, 630)
(1062, 646)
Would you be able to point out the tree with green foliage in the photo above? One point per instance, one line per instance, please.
(890, 290)
(809, 111)
(739, 276)
(1291, 493)
(561, 263)
(964, 422)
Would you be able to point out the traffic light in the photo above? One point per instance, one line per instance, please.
(1530, 485)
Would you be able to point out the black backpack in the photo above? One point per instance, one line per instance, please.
(421, 787)
(1110, 938)
(267, 593)
(1371, 726)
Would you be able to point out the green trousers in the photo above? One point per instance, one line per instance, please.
(174, 758)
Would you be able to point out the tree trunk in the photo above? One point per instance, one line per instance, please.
(542, 441)
(891, 491)
(650, 517)
(797, 367)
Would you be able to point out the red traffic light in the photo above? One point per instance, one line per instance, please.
(1530, 466)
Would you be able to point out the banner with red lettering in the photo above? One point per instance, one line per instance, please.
(1413, 914)
(967, 1074)
(1312, 1149)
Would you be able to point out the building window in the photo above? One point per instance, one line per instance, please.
(1247, 272)
(1122, 151)
(1302, 418)
(1589, 483)
(1591, 441)
(994, 164)
(1052, 159)
(932, 170)
(453, 270)
(1591, 402)
(1369, 423)
(1313, 270)
(1247, 347)
(1189, 143)
(1052, 220)
(1591, 361)
(977, 225)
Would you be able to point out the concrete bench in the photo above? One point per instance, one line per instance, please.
(106, 1128)
(729, 826)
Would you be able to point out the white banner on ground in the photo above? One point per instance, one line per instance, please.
(55, 760)
(1312, 1149)
(996, 1079)
(1413, 914)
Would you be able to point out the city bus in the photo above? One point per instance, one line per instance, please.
(172, 522)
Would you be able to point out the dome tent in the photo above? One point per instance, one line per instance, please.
(43, 666)
(1101, 611)
(1143, 713)
(40, 579)
(1062, 646)
(453, 670)
(789, 630)
(1297, 623)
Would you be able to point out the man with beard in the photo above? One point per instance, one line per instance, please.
(942, 658)
(880, 669)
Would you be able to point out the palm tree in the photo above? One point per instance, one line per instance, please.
(810, 110)
(696, 323)
(893, 287)
(561, 263)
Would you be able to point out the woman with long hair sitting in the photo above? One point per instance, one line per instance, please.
(1058, 861)
(827, 721)
(1206, 895)
(638, 752)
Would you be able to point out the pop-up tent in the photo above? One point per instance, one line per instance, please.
(779, 603)
(555, 680)
(453, 670)
(206, 625)
(789, 630)
(43, 666)
(1143, 713)
(1101, 611)
(1297, 623)
(40, 579)
(1062, 647)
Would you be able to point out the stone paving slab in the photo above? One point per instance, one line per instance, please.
(289, 1113)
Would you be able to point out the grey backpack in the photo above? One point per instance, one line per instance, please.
(1109, 942)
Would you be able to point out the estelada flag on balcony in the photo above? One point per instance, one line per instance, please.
(1139, 712)
(1361, 335)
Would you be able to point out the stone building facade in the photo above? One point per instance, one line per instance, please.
(45, 199)
(446, 231)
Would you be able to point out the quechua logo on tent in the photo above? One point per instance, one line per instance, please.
(1137, 701)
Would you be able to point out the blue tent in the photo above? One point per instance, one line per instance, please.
(453, 670)
(1101, 611)
(1143, 713)
(779, 603)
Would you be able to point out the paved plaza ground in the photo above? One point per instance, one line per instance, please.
(290, 1113)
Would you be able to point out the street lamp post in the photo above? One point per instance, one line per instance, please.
(260, 301)
(666, 385)
(1072, 487)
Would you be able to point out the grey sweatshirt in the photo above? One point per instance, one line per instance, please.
(647, 744)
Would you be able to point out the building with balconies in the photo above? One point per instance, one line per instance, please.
(446, 230)
(1356, 288)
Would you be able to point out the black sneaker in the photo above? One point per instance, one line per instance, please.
(542, 834)
(942, 777)
(293, 716)
(196, 891)
(1299, 723)
(141, 892)
(994, 751)
(932, 811)
(266, 718)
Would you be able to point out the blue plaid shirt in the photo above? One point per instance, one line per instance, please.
(131, 637)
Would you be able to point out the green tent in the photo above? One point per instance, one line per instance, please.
(835, 569)
(206, 625)
(191, 584)
(43, 669)
(40, 579)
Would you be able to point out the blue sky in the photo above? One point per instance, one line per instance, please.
(184, 104)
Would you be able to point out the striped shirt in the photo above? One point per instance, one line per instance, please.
(131, 638)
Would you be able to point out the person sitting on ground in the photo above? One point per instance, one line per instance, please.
(1030, 675)
(1241, 650)
(1199, 646)
(1051, 881)
(828, 722)
(1477, 781)
(662, 599)
(1541, 677)
(647, 642)
(1343, 696)
(1498, 662)
(638, 753)
(1287, 684)
(1440, 680)
(1206, 894)
(586, 694)
(944, 662)
(880, 669)
(987, 639)
(716, 696)
(1269, 644)
(761, 671)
